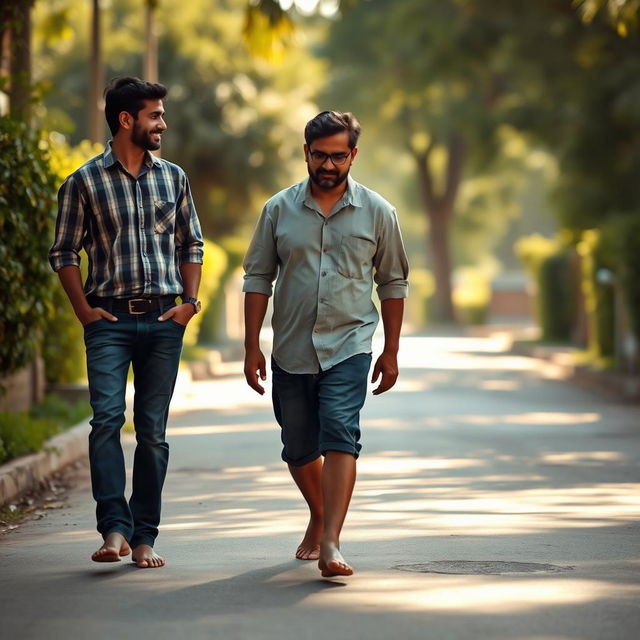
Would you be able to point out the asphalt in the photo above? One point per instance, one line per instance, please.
(493, 500)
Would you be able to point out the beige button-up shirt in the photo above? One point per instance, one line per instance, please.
(324, 268)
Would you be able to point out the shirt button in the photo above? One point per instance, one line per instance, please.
(323, 274)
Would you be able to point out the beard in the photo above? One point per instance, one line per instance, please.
(327, 179)
(142, 138)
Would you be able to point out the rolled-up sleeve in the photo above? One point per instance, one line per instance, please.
(69, 231)
(390, 262)
(261, 260)
(189, 243)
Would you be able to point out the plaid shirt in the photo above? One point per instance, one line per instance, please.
(136, 231)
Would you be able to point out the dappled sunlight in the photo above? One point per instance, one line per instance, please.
(206, 430)
(467, 354)
(538, 418)
(582, 458)
(404, 466)
(500, 385)
(471, 594)
(220, 393)
(550, 417)
(401, 495)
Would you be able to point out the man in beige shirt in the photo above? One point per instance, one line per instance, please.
(324, 241)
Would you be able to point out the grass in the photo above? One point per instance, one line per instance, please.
(27, 432)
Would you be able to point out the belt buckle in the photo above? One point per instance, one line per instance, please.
(131, 304)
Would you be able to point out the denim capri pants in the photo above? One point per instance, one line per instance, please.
(320, 412)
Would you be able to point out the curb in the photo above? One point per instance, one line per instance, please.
(28, 472)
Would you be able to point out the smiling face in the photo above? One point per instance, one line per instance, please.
(149, 126)
(329, 160)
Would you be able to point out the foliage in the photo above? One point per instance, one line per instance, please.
(27, 432)
(623, 14)
(27, 191)
(578, 95)
(215, 263)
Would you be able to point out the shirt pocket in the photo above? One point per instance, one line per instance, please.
(356, 256)
(165, 216)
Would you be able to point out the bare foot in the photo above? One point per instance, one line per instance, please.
(331, 562)
(114, 546)
(309, 548)
(146, 558)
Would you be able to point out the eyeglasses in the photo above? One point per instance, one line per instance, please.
(321, 157)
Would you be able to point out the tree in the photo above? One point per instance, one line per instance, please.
(235, 120)
(434, 84)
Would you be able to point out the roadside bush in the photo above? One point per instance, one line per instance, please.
(552, 266)
(27, 210)
(209, 333)
(597, 255)
(421, 289)
(27, 432)
(622, 237)
(215, 262)
(471, 295)
(557, 293)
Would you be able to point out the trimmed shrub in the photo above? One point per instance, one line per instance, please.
(557, 295)
(621, 237)
(598, 295)
(550, 261)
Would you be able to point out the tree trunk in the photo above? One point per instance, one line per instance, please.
(439, 209)
(96, 78)
(151, 51)
(441, 260)
(20, 60)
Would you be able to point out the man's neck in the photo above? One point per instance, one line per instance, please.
(327, 198)
(130, 155)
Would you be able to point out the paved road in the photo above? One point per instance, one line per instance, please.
(477, 461)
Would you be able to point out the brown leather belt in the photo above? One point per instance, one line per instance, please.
(133, 306)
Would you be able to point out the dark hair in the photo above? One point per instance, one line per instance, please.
(328, 123)
(128, 94)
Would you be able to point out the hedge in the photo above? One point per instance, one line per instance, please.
(27, 213)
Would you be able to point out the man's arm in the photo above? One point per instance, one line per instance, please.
(255, 308)
(191, 273)
(72, 284)
(387, 363)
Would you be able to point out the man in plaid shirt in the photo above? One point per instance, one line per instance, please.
(133, 215)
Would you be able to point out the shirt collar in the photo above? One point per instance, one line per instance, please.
(110, 158)
(351, 195)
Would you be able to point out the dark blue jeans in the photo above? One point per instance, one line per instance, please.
(153, 348)
(320, 412)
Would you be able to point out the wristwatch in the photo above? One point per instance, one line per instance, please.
(195, 302)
